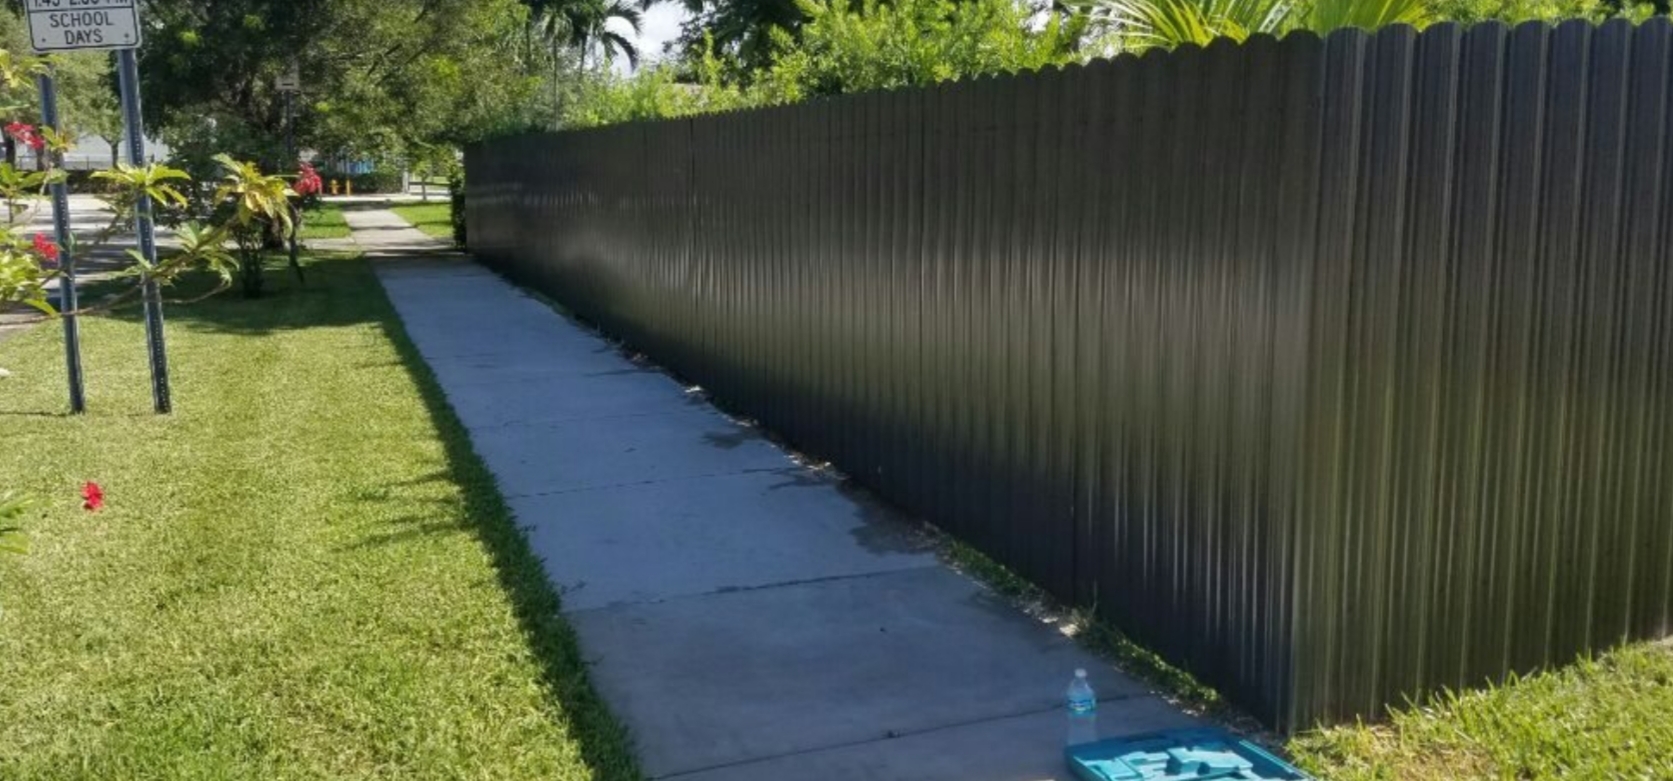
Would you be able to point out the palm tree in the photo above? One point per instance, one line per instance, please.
(582, 28)
(743, 28)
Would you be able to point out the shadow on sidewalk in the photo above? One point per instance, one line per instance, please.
(340, 292)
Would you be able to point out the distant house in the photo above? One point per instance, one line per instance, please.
(95, 152)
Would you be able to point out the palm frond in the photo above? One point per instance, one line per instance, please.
(1142, 24)
(1327, 15)
(619, 43)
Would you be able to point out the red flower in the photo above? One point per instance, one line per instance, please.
(46, 248)
(25, 134)
(92, 497)
(308, 181)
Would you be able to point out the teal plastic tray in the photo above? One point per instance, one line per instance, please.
(1177, 755)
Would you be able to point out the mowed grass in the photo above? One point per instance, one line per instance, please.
(435, 219)
(304, 573)
(326, 222)
(1607, 718)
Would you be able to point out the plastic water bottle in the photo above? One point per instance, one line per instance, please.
(1083, 711)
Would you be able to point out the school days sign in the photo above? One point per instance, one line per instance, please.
(73, 25)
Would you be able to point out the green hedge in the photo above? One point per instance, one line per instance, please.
(376, 182)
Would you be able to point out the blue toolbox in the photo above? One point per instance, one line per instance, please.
(1177, 754)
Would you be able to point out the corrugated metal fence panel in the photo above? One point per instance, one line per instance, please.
(1334, 370)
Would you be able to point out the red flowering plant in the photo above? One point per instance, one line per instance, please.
(28, 265)
(13, 506)
(46, 249)
(308, 187)
(26, 268)
(26, 135)
(308, 181)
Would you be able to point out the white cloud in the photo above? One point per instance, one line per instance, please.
(659, 25)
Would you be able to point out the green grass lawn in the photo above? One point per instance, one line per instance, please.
(1606, 718)
(434, 219)
(326, 222)
(304, 573)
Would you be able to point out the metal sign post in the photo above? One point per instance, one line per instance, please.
(102, 25)
(67, 298)
(288, 84)
(127, 64)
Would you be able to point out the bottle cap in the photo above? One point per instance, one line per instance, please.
(1080, 673)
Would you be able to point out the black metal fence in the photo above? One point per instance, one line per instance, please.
(1333, 370)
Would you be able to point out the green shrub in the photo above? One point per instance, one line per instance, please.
(845, 47)
(653, 93)
(82, 182)
(848, 47)
(381, 180)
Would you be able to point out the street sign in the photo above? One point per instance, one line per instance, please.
(80, 25)
(290, 80)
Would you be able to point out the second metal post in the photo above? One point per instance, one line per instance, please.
(128, 73)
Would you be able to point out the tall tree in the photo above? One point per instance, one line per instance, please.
(740, 30)
(89, 100)
(378, 76)
(585, 26)
(578, 35)
(86, 84)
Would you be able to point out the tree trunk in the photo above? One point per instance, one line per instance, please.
(557, 89)
(296, 244)
(250, 271)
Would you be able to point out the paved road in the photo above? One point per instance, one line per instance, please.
(88, 216)
(748, 619)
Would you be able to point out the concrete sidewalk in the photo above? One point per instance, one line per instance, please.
(746, 618)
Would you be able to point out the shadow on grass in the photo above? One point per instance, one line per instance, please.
(602, 740)
(409, 528)
(331, 297)
(342, 291)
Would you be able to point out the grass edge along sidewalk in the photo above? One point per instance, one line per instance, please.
(433, 219)
(304, 573)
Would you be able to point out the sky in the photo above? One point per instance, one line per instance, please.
(660, 25)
